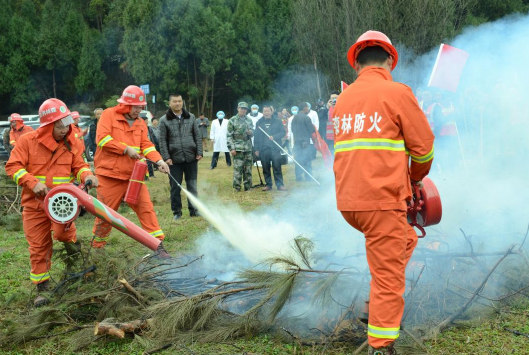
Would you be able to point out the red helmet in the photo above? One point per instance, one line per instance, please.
(15, 117)
(75, 115)
(370, 39)
(52, 110)
(132, 95)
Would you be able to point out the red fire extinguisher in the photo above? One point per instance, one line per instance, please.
(135, 182)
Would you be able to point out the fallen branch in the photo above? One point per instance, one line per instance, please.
(119, 329)
(133, 291)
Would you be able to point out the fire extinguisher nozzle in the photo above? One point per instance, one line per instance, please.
(162, 253)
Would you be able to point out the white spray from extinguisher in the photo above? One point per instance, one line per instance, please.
(213, 219)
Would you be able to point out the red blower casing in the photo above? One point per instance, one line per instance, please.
(63, 204)
(425, 208)
(136, 182)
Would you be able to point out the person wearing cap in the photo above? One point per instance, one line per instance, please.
(254, 114)
(18, 129)
(121, 140)
(379, 127)
(290, 137)
(218, 135)
(41, 160)
(203, 124)
(240, 134)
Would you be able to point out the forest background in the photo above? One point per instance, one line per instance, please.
(214, 52)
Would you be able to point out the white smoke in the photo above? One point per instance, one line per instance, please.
(481, 175)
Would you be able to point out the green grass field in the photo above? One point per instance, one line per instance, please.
(482, 336)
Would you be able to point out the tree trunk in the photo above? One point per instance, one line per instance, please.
(196, 80)
(54, 84)
(317, 74)
(205, 96)
(211, 102)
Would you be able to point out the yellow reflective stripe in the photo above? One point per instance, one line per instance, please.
(39, 277)
(13, 141)
(137, 149)
(424, 158)
(100, 239)
(383, 333)
(19, 174)
(41, 178)
(57, 180)
(80, 172)
(157, 233)
(148, 150)
(371, 144)
(104, 141)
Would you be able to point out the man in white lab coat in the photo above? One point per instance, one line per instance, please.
(218, 136)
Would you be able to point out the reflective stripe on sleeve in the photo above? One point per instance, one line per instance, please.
(423, 159)
(382, 333)
(39, 277)
(148, 150)
(104, 141)
(81, 172)
(19, 174)
(370, 144)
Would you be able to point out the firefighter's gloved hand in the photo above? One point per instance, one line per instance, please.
(417, 183)
(92, 179)
(40, 189)
(131, 152)
(162, 166)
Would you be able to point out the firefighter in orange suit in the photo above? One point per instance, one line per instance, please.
(41, 160)
(79, 133)
(121, 140)
(379, 128)
(18, 129)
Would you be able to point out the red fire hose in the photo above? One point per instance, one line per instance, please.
(63, 204)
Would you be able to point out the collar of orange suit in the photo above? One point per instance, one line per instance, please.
(122, 109)
(45, 136)
(19, 125)
(372, 70)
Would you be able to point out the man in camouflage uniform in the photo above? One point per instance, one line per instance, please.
(240, 133)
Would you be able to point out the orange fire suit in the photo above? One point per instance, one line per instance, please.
(113, 169)
(379, 126)
(79, 134)
(37, 157)
(18, 132)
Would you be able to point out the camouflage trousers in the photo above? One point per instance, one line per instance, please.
(242, 169)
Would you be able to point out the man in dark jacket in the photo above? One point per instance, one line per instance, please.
(181, 149)
(267, 150)
(302, 129)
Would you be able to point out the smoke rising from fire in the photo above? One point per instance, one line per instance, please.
(480, 173)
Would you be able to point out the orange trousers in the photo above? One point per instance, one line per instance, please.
(38, 229)
(390, 241)
(111, 192)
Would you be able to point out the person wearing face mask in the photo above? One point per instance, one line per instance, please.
(254, 114)
(218, 136)
(122, 139)
(290, 137)
(41, 160)
(18, 129)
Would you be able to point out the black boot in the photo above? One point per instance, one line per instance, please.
(41, 288)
